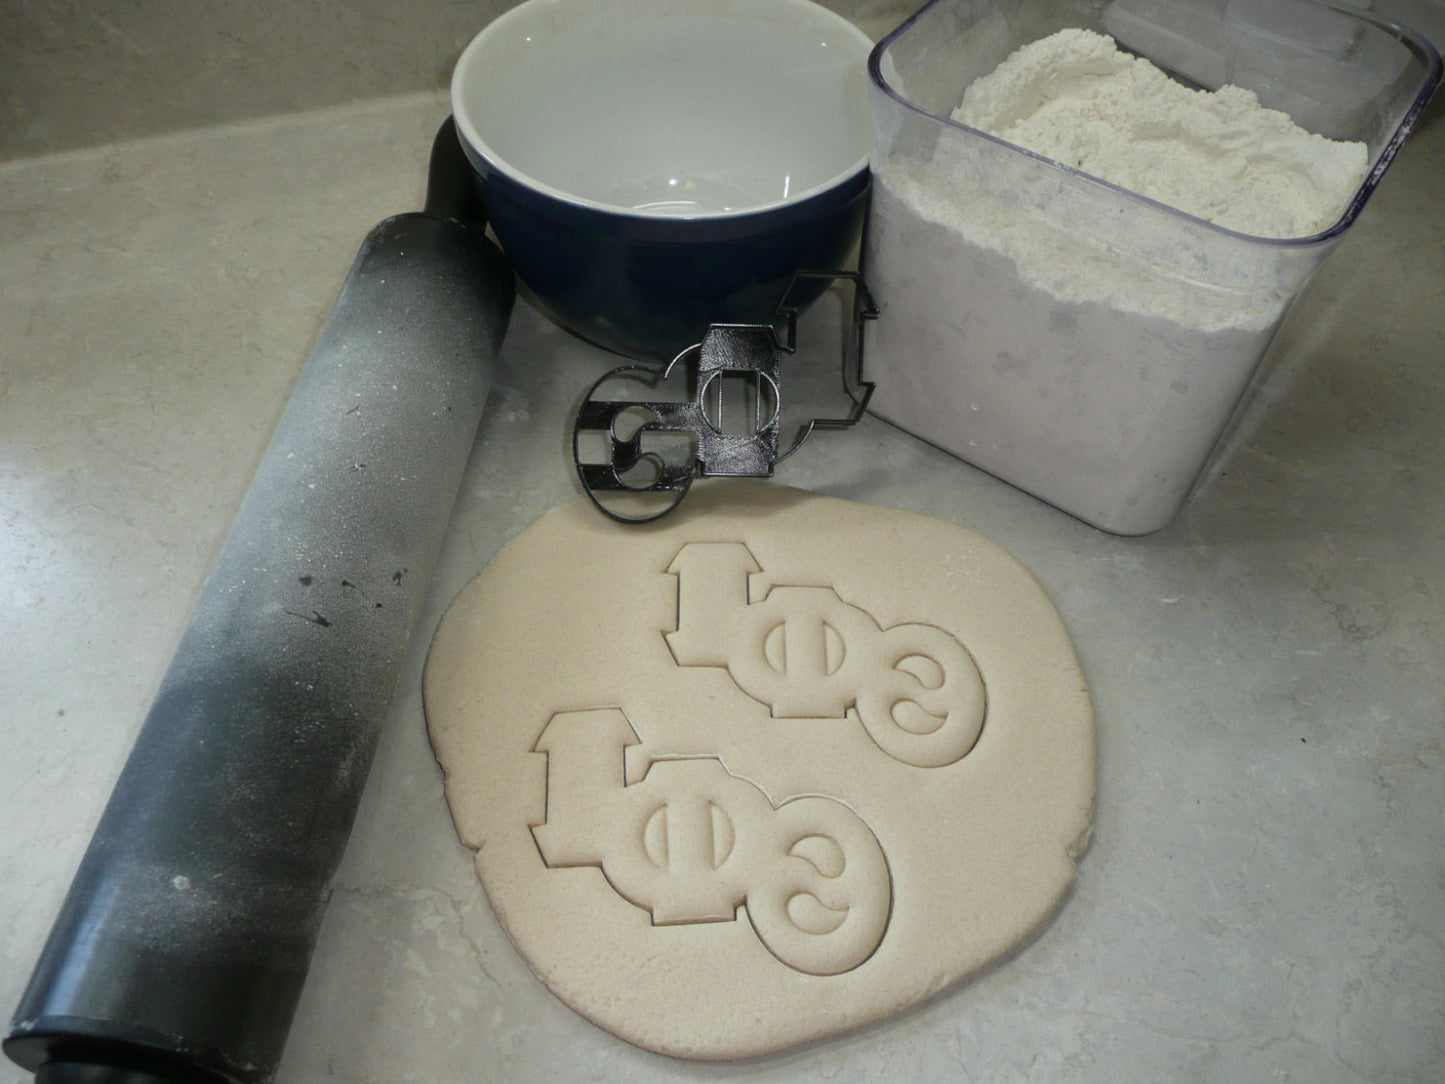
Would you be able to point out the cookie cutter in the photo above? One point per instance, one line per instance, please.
(637, 458)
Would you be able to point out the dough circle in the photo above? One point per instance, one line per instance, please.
(770, 769)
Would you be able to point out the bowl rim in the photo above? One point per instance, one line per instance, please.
(606, 225)
(478, 148)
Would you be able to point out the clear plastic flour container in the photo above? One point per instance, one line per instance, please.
(1080, 341)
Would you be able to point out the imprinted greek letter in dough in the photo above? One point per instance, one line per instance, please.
(691, 842)
(807, 653)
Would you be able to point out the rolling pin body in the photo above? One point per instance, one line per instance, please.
(181, 950)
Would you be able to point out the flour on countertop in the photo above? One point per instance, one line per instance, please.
(1077, 98)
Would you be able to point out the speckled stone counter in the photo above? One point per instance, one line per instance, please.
(1262, 899)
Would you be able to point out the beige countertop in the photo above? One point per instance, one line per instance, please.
(1262, 899)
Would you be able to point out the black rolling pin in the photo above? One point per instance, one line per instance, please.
(180, 952)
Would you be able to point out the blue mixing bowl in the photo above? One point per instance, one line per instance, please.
(651, 167)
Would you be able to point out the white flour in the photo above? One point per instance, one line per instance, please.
(1091, 360)
(1075, 97)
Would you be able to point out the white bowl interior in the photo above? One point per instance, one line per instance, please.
(668, 107)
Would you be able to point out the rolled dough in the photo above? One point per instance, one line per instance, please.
(768, 770)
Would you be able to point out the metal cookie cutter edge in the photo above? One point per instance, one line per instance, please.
(725, 348)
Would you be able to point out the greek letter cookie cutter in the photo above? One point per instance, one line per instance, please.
(637, 458)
